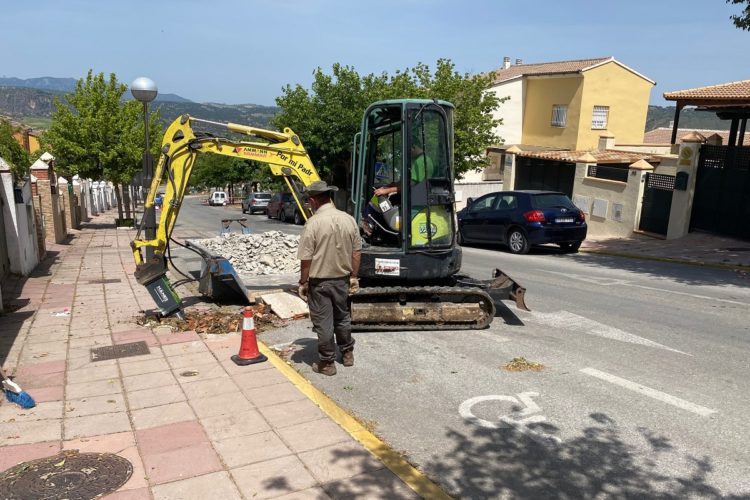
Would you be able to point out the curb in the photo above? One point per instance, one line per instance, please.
(671, 260)
(390, 458)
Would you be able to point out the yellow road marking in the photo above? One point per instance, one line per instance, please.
(405, 471)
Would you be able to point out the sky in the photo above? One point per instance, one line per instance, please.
(242, 52)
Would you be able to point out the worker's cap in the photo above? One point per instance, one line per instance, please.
(320, 187)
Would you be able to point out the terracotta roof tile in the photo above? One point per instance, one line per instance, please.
(663, 135)
(721, 92)
(550, 68)
(601, 156)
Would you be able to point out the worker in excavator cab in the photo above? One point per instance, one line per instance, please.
(386, 200)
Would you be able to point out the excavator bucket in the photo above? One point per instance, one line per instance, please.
(219, 280)
(503, 287)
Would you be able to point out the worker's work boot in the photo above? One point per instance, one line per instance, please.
(347, 358)
(324, 368)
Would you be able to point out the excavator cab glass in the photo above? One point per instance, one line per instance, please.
(405, 147)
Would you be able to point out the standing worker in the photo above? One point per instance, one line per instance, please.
(330, 249)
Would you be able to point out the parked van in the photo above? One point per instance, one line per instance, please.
(218, 198)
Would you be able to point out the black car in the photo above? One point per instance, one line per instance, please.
(520, 219)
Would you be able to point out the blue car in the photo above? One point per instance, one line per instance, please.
(158, 200)
(520, 219)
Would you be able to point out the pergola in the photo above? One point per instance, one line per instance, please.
(730, 101)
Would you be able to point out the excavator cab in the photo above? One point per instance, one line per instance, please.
(405, 150)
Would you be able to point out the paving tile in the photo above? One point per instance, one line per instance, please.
(217, 485)
(154, 354)
(96, 372)
(316, 493)
(90, 341)
(378, 484)
(195, 347)
(162, 415)
(41, 368)
(292, 413)
(47, 410)
(46, 394)
(208, 388)
(45, 380)
(155, 397)
(178, 337)
(223, 404)
(84, 363)
(249, 449)
(273, 394)
(199, 372)
(138, 494)
(95, 425)
(259, 379)
(16, 454)
(190, 361)
(149, 381)
(30, 431)
(339, 461)
(94, 405)
(171, 437)
(234, 425)
(272, 478)
(312, 435)
(95, 388)
(181, 464)
(145, 366)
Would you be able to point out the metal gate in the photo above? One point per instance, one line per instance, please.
(548, 175)
(4, 262)
(657, 203)
(721, 203)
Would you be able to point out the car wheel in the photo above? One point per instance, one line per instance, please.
(517, 242)
(244, 211)
(460, 238)
(570, 247)
(282, 215)
(298, 220)
(268, 214)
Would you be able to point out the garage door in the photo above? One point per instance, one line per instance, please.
(547, 175)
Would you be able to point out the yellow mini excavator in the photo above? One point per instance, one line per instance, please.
(410, 269)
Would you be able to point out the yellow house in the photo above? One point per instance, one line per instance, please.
(570, 104)
(27, 139)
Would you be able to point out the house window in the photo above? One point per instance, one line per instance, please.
(599, 117)
(559, 115)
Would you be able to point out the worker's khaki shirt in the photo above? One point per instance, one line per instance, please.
(328, 240)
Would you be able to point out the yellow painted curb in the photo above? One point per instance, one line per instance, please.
(405, 471)
(669, 260)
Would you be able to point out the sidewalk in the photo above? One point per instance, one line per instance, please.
(192, 423)
(695, 248)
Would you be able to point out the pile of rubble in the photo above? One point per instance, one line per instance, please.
(272, 252)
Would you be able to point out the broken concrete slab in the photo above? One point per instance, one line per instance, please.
(285, 305)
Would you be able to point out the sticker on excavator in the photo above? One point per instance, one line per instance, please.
(388, 267)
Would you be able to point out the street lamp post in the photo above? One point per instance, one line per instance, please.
(144, 90)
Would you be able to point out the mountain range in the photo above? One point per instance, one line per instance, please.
(30, 101)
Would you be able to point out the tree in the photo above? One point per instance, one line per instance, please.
(11, 151)
(97, 135)
(742, 21)
(327, 116)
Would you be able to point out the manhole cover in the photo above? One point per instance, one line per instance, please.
(120, 351)
(100, 282)
(70, 475)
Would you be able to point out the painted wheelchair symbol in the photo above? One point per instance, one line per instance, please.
(518, 420)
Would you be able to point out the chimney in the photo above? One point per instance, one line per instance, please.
(506, 62)
(519, 61)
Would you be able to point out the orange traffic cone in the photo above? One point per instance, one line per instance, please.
(249, 353)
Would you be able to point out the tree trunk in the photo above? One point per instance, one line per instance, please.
(118, 195)
(126, 199)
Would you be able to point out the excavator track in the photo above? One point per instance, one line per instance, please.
(422, 308)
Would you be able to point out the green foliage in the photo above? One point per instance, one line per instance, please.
(327, 116)
(11, 151)
(742, 21)
(661, 116)
(94, 134)
(211, 170)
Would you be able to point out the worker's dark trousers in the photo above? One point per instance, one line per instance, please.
(328, 301)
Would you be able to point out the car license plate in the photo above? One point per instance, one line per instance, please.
(563, 220)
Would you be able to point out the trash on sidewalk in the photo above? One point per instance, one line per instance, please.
(15, 394)
(64, 312)
(285, 350)
(214, 321)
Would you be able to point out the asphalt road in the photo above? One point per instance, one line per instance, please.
(643, 394)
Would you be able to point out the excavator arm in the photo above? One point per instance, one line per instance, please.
(283, 152)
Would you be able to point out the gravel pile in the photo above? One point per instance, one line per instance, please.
(272, 252)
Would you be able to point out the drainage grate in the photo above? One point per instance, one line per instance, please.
(120, 351)
(100, 281)
(69, 474)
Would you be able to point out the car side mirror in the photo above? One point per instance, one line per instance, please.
(469, 201)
